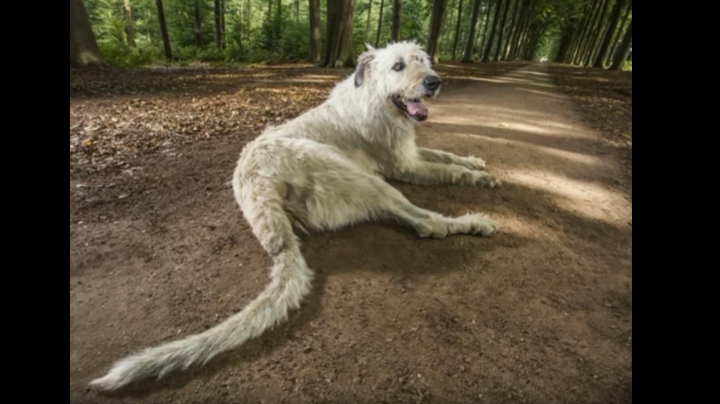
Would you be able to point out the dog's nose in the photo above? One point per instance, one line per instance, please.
(432, 83)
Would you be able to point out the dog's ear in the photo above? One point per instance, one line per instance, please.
(362, 65)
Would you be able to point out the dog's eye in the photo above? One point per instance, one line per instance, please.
(399, 66)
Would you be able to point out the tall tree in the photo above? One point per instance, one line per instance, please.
(501, 34)
(619, 33)
(467, 56)
(491, 37)
(218, 24)
(339, 28)
(590, 32)
(513, 27)
(198, 24)
(397, 10)
(515, 39)
(163, 29)
(614, 21)
(484, 42)
(598, 34)
(380, 18)
(457, 30)
(129, 23)
(367, 28)
(579, 40)
(315, 31)
(624, 49)
(83, 46)
(436, 27)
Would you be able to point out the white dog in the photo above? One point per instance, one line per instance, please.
(320, 172)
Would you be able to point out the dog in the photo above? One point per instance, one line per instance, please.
(325, 170)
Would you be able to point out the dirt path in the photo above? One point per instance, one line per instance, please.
(539, 313)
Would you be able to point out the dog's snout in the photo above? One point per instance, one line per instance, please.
(432, 83)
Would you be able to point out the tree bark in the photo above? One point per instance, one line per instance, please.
(467, 56)
(163, 29)
(83, 46)
(599, 34)
(340, 27)
(129, 23)
(218, 28)
(222, 24)
(367, 28)
(493, 30)
(501, 34)
(484, 43)
(397, 10)
(624, 49)
(457, 30)
(380, 18)
(616, 36)
(198, 25)
(513, 29)
(315, 31)
(591, 30)
(579, 39)
(515, 40)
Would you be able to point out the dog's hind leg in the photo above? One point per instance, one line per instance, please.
(341, 198)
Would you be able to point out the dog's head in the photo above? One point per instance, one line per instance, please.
(401, 75)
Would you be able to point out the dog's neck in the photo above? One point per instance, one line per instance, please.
(374, 118)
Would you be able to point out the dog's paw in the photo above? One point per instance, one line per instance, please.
(487, 181)
(475, 223)
(475, 163)
(431, 228)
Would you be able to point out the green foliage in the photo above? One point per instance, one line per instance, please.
(252, 35)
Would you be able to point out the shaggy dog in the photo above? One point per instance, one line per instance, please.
(322, 171)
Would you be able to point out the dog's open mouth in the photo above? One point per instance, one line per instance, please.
(413, 108)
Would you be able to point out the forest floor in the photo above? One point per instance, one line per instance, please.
(539, 313)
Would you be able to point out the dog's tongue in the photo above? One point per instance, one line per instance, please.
(416, 108)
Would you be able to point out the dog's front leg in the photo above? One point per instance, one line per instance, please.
(438, 156)
(428, 173)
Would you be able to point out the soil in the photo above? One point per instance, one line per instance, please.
(541, 312)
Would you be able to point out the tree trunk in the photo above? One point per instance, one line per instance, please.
(513, 29)
(598, 34)
(163, 29)
(83, 46)
(484, 42)
(198, 25)
(590, 32)
(457, 30)
(380, 18)
(624, 49)
(498, 50)
(297, 10)
(565, 39)
(436, 27)
(129, 23)
(467, 57)
(616, 36)
(340, 27)
(222, 24)
(397, 10)
(367, 28)
(218, 28)
(579, 40)
(315, 31)
(493, 30)
(515, 40)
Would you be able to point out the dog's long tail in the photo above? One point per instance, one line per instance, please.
(291, 279)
